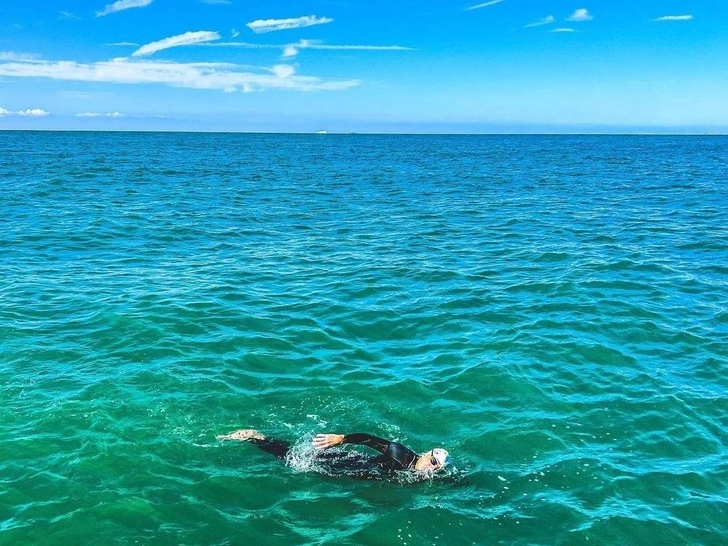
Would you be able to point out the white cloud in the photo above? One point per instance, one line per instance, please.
(34, 112)
(312, 44)
(271, 25)
(30, 112)
(291, 50)
(80, 95)
(121, 5)
(97, 115)
(563, 29)
(186, 39)
(283, 70)
(580, 15)
(545, 21)
(69, 15)
(215, 76)
(484, 5)
(674, 18)
(12, 56)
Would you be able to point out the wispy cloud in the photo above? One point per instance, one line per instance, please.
(562, 29)
(130, 44)
(214, 76)
(291, 50)
(271, 25)
(580, 15)
(13, 56)
(545, 21)
(484, 5)
(674, 18)
(4, 112)
(234, 33)
(186, 39)
(34, 112)
(69, 15)
(80, 95)
(121, 5)
(98, 115)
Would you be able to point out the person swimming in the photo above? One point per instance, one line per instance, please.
(393, 456)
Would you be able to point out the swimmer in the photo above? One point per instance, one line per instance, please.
(392, 455)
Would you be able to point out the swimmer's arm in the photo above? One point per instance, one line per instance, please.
(325, 441)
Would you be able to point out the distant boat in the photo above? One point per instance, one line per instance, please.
(322, 132)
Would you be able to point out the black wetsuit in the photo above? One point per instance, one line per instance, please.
(393, 456)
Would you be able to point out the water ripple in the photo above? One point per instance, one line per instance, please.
(550, 309)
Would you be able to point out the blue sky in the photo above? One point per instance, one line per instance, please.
(410, 66)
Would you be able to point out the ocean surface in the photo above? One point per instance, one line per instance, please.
(553, 310)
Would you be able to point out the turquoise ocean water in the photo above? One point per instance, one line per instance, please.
(552, 310)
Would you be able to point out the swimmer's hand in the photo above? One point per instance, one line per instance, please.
(325, 441)
(242, 435)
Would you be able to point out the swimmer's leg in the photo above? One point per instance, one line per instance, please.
(277, 448)
(242, 435)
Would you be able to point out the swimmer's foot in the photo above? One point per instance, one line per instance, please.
(242, 435)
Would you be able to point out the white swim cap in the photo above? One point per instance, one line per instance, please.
(442, 456)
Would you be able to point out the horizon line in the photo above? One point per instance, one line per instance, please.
(360, 133)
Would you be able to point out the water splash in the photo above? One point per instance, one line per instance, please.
(303, 457)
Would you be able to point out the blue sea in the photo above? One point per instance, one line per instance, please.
(553, 310)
